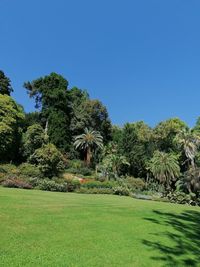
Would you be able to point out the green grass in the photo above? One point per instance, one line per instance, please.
(64, 229)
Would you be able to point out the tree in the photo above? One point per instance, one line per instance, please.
(164, 167)
(5, 84)
(113, 164)
(190, 181)
(31, 118)
(33, 139)
(116, 134)
(87, 113)
(88, 142)
(165, 132)
(137, 146)
(51, 95)
(196, 128)
(189, 142)
(49, 160)
(11, 119)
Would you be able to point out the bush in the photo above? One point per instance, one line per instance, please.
(97, 184)
(155, 187)
(58, 185)
(29, 170)
(78, 167)
(49, 160)
(183, 198)
(135, 184)
(121, 191)
(75, 164)
(16, 183)
(85, 171)
(73, 185)
(8, 169)
(49, 185)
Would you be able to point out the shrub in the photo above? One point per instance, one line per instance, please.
(136, 184)
(49, 160)
(58, 185)
(73, 184)
(33, 139)
(97, 184)
(16, 183)
(75, 164)
(121, 191)
(8, 169)
(49, 185)
(85, 171)
(29, 170)
(183, 198)
(155, 187)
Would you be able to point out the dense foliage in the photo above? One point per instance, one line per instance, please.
(11, 118)
(5, 84)
(69, 139)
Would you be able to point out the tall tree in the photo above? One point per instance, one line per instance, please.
(166, 131)
(50, 93)
(196, 128)
(11, 120)
(189, 142)
(33, 139)
(89, 113)
(5, 84)
(164, 167)
(31, 118)
(88, 142)
(137, 146)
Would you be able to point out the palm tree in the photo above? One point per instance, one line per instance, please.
(164, 167)
(189, 141)
(114, 162)
(88, 141)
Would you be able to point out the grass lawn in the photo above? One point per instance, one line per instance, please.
(63, 229)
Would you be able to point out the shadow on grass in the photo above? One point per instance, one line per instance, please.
(180, 245)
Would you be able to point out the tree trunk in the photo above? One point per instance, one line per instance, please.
(88, 156)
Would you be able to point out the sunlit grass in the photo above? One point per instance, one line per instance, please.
(64, 229)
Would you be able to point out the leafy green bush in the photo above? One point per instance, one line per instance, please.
(183, 198)
(6, 170)
(97, 184)
(33, 139)
(9, 168)
(75, 164)
(121, 191)
(85, 171)
(135, 184)
(49, 160)
(155, 187)
(16, 183)
(58, 185)
(73, 185)
(78, 167)
(49, 185)
(29, 170)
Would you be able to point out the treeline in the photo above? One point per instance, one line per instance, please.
(63, 113)
(68, 122)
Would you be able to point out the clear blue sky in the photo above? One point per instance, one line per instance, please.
(140, 58)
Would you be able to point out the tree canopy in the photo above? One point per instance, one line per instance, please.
(5, 84)
(11, 121)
